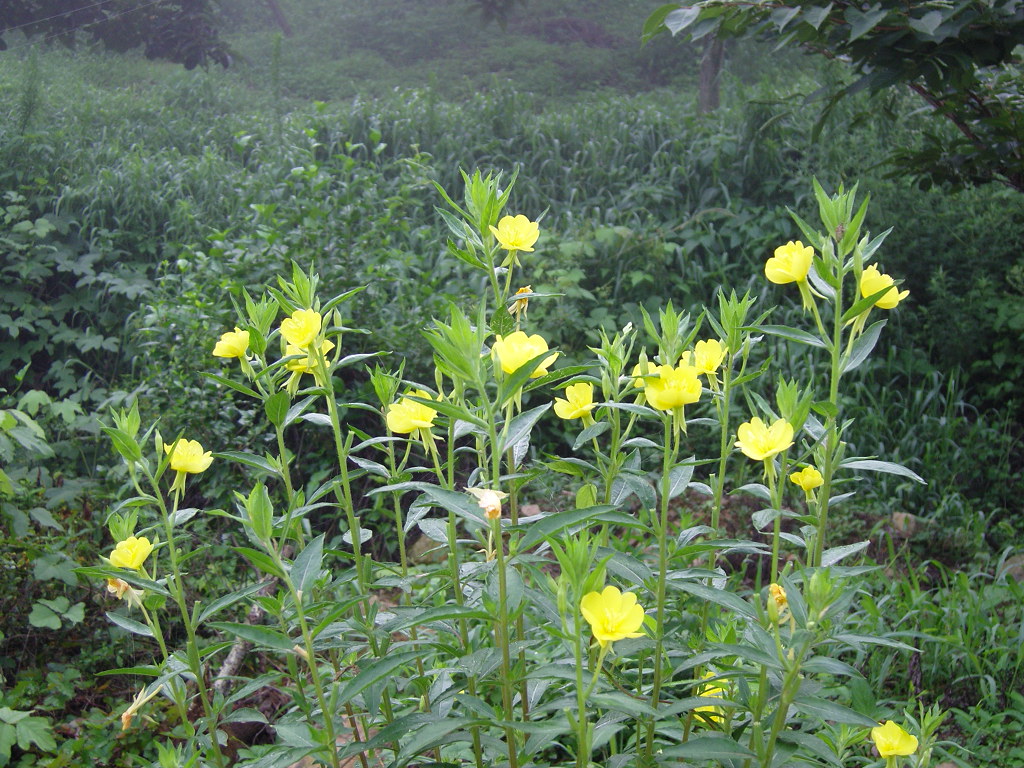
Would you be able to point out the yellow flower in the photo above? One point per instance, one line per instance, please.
(124, 591)
(188, 456)
(232, 344)
(891, 740)
(131, 553)
(407, 415)
(578, 403)
(873, 281)
(140, 700)
(639, 382)
(807, 478)
(673, 387)
(302, 327)
(778, 596)
(710, 691)
(612, 615)
(308, 365)
(517, 349)
(760, 442)
(519, 306)
(790, 264)
(489, 501)
(708, 355)
(516, 233)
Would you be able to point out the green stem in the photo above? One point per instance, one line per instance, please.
(501, 630)
(177, 591)
(669, 451)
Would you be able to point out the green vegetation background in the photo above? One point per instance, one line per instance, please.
(137, 201)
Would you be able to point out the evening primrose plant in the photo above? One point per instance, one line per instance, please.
(605, 629)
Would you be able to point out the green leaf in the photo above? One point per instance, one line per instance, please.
(541, 529)
(521, 425)
(35, 730)
(276, 407)
(124, 444)
(135, 627)
(830, 710)
(793, 334)
(710, 746)
(43, 617)
(261, 561)
(862, 22)
(655, 23)
(306, 566)
(594, 430)
(248, 459)
(720, 596)
(44, 517)
(419, 618)
(232, 385)
(835, 554)
(229, 599)
(375, 671)
(678, 20)
(863, 345)
(873, 465)
(257, 635)
(679, 477)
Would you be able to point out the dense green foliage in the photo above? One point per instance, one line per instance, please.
(131, 218)
(963, 59)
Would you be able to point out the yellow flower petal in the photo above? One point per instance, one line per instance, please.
(406, 416)
(302, 328)
(516, 233)
(189, 456)
(515, 350)
(760, 442)
(790, 264)
(872, 281)
(891, 740)
(131, 553)
(673, 387)
(612, 615)
(578, 402)
(807, 478)
(232, 344)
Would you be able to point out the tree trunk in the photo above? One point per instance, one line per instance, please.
(279, 17)
(710, 69)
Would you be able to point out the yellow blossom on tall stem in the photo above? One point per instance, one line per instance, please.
(578, 401)
(140, 700)
(489, 501)
(407, 416)
(638, 373)
(892, 741)
(761, 442)
(673, 387)
(304, 361)
(519, 306)
(187, 458)
(122, 590)
(872, 281)
(302, 328)
(131, 553)
(708, 356)
(515, 350)
(516, 233)
(612, 615)
(232, 344)
(790, 263)
(807, 478)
